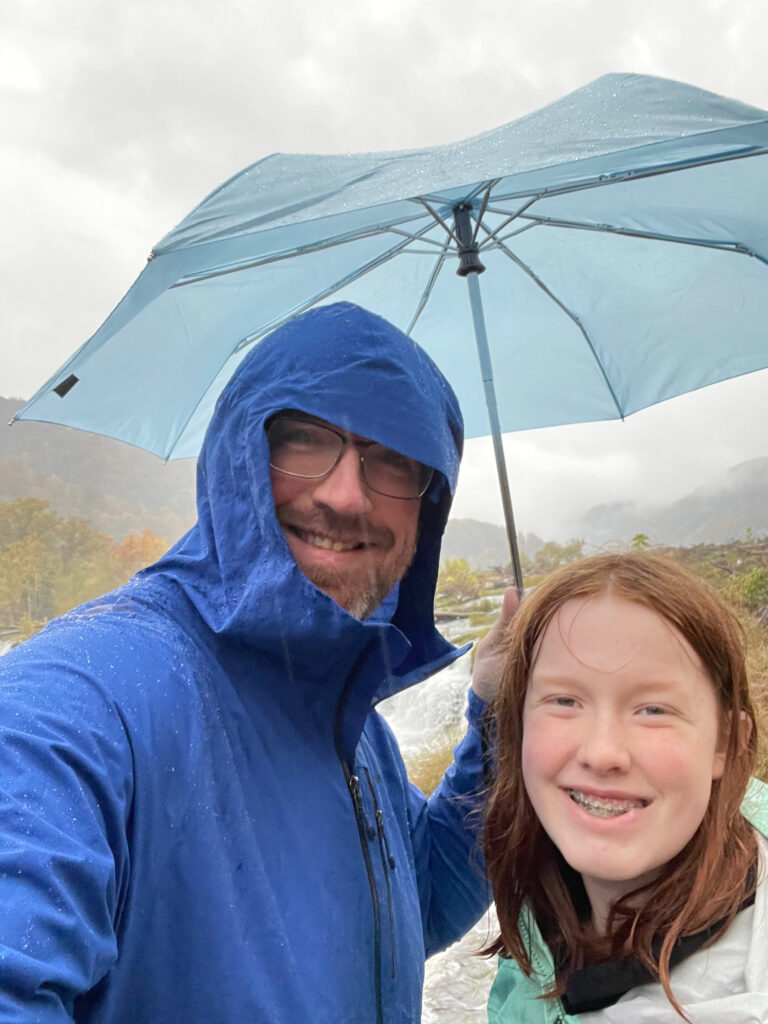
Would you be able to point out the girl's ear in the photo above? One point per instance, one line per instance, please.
(745, 734)
(745, 729)
(718, 764)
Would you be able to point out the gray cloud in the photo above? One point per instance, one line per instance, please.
(118, 118)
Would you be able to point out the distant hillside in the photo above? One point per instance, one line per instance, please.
(719, 512)
(483, 544)
(120, 489)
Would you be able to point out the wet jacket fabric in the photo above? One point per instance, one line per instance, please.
(726, 983)
(203, 818)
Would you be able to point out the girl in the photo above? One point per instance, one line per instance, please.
(626, 863)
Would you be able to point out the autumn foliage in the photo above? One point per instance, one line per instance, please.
(49, 564)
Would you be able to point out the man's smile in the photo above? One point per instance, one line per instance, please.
(319, 540)
(320, 532)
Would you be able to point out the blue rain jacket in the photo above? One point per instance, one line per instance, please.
(203, 817)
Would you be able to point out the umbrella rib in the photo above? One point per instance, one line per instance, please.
(417, 238)
(277, 322)
(484, 205)
(418, 252)
(439, 263)
(490, 183)
(492, 241)
(302, 250)
(722, 246)
(330, 290)
(449, 231)
(622, 177)
(376, 229)
(509, 218)
(438, 197)
(572, 316)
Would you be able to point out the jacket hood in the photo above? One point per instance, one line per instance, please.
(354, 369)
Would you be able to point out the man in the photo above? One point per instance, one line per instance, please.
(203, 818)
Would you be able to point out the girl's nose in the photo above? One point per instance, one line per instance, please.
(604, 747)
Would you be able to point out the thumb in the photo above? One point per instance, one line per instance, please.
(509, 605)
(489, 658)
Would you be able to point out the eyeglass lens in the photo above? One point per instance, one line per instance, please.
(310, 450)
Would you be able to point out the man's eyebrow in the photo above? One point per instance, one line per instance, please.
(307, 417)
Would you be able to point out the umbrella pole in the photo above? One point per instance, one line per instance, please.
(486, 368)
(471, 267)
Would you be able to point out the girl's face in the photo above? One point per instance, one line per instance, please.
(620, 743)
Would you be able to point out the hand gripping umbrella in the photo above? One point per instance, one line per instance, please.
(624, 230)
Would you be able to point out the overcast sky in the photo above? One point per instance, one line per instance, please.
(118, 118)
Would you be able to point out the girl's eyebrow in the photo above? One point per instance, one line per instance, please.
(662, 684)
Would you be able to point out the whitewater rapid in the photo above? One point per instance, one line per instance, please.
(425, 719)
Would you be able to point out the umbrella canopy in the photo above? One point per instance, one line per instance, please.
(624, 230)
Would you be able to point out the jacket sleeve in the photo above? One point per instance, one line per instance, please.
(446, 833)
(65, 794)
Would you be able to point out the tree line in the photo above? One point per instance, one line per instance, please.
(50, 563)
(457, 581)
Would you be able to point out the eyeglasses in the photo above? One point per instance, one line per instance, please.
(310, 450)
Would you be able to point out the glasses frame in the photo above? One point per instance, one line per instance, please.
(346, 442)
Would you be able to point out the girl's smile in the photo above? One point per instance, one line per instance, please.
(621, 742)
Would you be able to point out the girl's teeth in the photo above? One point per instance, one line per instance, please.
(604, 808)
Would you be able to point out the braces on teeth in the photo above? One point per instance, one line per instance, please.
(604, 808)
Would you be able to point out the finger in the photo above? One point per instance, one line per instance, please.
(509, 605)
(495, 635)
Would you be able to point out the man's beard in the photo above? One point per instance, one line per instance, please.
(358, 589)
(359, 597)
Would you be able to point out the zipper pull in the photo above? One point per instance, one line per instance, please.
(357, 803)
(354, 789)
(383, 837)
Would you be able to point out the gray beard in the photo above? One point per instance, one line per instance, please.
(358, 601)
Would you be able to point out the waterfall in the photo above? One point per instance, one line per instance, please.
(426, 719)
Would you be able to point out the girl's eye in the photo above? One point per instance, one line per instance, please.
(564, 702)
(653, 709)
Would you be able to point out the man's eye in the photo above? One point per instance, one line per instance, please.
(394, 462)
(303, 437)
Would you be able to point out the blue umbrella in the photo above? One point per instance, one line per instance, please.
(624, 230)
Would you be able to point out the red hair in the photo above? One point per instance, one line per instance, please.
(705, 883)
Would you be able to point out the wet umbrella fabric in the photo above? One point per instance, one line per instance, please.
(624, 231)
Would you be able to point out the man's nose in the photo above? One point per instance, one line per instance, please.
(604, 747)
(344, 490)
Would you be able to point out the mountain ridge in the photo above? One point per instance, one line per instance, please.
(122, 489)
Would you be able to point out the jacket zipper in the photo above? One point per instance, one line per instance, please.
(542, 969)
(353, 785)
(353, 782)
(387, 862)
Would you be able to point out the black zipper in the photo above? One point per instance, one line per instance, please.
(387, 862)
(353, 782)
(353, 785)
